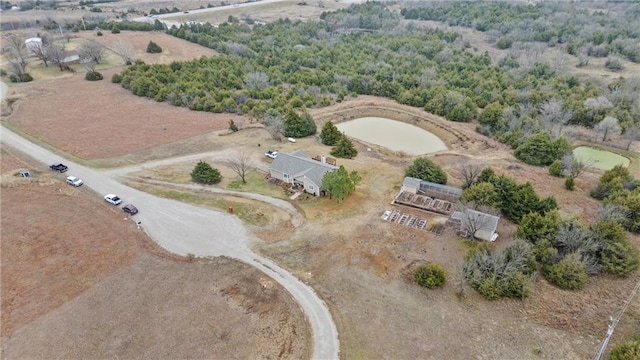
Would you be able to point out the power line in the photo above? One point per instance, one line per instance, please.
(613, 322)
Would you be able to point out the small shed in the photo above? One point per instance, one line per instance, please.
(33, 44)
(482, 224)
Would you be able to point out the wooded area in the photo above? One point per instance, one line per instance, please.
(368, 49)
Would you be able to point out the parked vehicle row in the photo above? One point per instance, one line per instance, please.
(59, 167)
(110, 198)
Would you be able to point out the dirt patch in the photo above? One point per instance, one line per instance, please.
(157, 308)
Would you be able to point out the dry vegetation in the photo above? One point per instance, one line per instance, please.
(79, 282)
(134, 295)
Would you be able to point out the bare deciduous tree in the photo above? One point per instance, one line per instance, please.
(553, 115)
(631, 134)
(469, 171)
(125, 50)
(242, 165)
(91, 51)
(573, 237)
(41, 50)
(597, 106)
(274, 123)
(615, 213)
(90, 66)
(57, 54)
(256, 81)
(474, 218)
(574, 166)
(608, 125)
(18, 55)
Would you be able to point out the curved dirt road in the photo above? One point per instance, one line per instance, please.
(186, 229)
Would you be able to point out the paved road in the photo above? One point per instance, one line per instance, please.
(164, 18)
(186, 229)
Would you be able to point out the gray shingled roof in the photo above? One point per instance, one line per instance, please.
(297, 165)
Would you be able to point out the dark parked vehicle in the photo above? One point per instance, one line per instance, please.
(58, 167)
(130, 209)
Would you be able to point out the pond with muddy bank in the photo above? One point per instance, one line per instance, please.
(394, 135)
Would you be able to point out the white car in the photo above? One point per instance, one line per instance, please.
(112, 199)
(72, 180)
(271, 154)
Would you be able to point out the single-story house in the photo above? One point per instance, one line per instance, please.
(482, 224)
(299, 169)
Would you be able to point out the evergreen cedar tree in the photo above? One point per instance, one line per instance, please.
(330, 134)
(344, 148)
(204, 173)
(153, 48)
(298, 126)
(427, 170)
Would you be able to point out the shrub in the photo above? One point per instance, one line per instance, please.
(614, 64)
(617, 255)
(570, 184)
(344, 148)
(99, 33)
(330, 134)
(430, 276)
(629, 350)
(482, 194)
(93, 76)
(556, 168)
(116, 78)
(498, 274)
(232, 126)
(570, 273)
(535, 227)
(427, 170)
(3, 72)
(24, 78)
(153, 48)
(537, 149)
(504, 43)
(204, 173)
(115, 30)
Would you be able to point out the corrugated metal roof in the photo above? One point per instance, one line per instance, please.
(412, 182)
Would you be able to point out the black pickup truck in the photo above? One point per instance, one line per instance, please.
(58, 167)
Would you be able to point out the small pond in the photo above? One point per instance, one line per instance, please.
(600, 159)
(392, 134)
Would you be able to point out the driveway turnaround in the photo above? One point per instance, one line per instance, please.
(186, 229)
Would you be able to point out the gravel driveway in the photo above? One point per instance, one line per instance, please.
(186, 229)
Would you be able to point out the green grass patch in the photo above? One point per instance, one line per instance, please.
(247, 210)
(257, 184)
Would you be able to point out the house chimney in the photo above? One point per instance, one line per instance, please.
(323, 159)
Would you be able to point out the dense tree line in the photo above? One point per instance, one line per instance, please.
(598, 33)
(108, 25)
(503, 193)
(366, 49)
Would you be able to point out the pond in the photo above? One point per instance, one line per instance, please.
(600, 159)
(392, 134)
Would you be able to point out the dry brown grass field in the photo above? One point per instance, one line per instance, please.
(105, 290)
